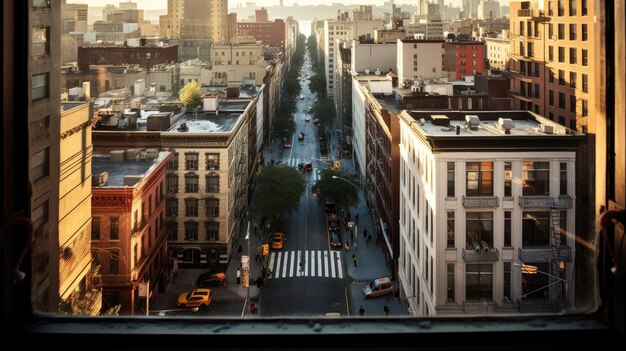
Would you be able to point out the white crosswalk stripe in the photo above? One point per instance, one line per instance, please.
(306, 263)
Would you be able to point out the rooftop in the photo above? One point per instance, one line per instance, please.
(223, 122)
(138, 168)
(487, 124)
(68, 105)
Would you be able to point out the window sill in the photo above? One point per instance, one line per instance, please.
(125, 333)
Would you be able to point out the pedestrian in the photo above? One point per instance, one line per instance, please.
(238, 276)
(253, 308)
(361, 310)
(386, 309)
(175, 270)
(354, 259)
(364, 233)
(347, 245)
(254, 225)
(369, 237)
(356, 219)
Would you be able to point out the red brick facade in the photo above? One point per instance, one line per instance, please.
(269, 33)
(144, 56)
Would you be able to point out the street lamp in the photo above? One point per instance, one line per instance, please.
(355, 231)
(344, 179)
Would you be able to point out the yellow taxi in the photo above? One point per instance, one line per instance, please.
(278, 240)
(194, 298)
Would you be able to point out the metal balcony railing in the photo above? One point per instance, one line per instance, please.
(545, 254)
(480, 255)
(564, 202)
(480, 202)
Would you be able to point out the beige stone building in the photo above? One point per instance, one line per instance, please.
(419, 59)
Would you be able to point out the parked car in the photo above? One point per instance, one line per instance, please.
(307, 118)
(335, 240)
(333, 221)
(194, 298)
(378, 287)
(278, 240)
(211, 279)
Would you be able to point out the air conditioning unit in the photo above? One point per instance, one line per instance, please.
(506, 124)
(100, 179)
(484, 245)
(546, 129)
(472, 121)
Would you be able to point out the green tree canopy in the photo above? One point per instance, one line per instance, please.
(190, 95)
(337, 190)
(278, 189)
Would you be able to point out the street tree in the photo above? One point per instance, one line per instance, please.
(190, 95)
(277, 190)
(339, 191)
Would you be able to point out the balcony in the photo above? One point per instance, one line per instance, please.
(480, 202)
(545, 254)
(564, 202)
(489, 255)
(530, 13)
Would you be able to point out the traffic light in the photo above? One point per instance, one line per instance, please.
(266, 249)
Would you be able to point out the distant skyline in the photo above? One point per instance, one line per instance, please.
(162, 4)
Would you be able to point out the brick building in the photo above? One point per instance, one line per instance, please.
(144, 56)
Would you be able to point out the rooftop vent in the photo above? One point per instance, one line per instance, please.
(367, 71)
(472, 121)
(440, 120)
(377, 72)
(506, 124)
(546, 129)
(99, 179)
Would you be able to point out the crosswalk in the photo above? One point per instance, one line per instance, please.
(306, 263)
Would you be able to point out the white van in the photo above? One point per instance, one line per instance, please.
(378, 287)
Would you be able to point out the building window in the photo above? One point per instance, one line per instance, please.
(450, 179)
(171, 208)
(191, 161)
(451, 235)
(191, 183)
(41, 214)
(585, 86)
(40, 129)
(537, 93)
(536, 228)
(561, 100)
(40, 41)
(584, 32)
(561, 54)
(506, 286)
(537, 73)
(551, 76)
(135, 255)
(572, 31)
(572, 103)
(535, 178)
(40, 165)
(479, 178)
(550, 30)
(212, 161)
(114, 233)
(508, 177)
(191, 207)
(172, 183)
(40, 86)
(172, 164)
(212, 231)
(585, 111)
(563, 178)
(572, 56)
(212, 184)
(191, 231)
(583, 7)
(561, 77)
(479, 282)
(572, 79)
(585, 57)
(561, 31)
(550, 9)
(212, 207)
(450, 269)
(114, 262)
(479, 226)
(507, 228)
(561, 8)
(95, 228)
